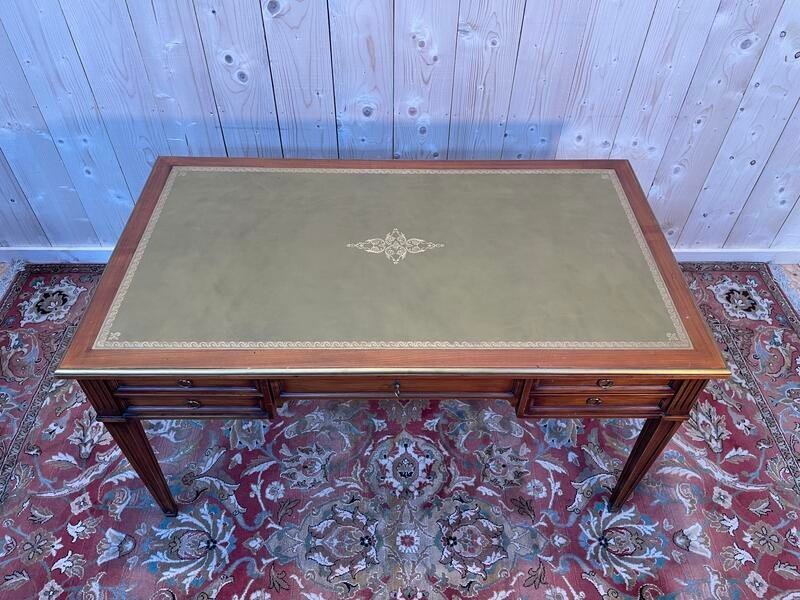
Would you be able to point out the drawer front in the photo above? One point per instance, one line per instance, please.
(400, 387)
(604, 385)
(597, 400)
(184, 386)
(195, 401)
(196, 406)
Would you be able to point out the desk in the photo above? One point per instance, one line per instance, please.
(239, 284)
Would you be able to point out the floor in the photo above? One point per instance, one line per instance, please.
(414, 500)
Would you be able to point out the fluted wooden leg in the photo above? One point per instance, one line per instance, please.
(133, 442)
(655, 434)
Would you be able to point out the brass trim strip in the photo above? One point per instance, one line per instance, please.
(296, 372)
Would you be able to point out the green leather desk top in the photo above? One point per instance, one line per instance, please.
(237, 257)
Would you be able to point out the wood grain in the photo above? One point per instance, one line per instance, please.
(92, 98)
(671, 51)
(34, 172)
(361, 44)
(548, 54)
(79, 185)
(103, 36)
(236, 54)
(296, 30)
(789, 234)
(424, 59)
(603, 77)
(486, 52)
(18, 223)
(765, 109)
(170, 47)
(733, 47)
(773, 195)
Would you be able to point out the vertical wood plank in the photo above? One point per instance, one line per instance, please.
(18, 223)
(170, 46)
(548, 53)
(614, 35)
(31, 152)
(43, 44)
(774, 194)
(361, 49)
(733, 47)
(424, 59)
(763, 113)
(103, 36)
(671, 51)
(486, 53)
(789, 234)
(299, 54)
(236, 54)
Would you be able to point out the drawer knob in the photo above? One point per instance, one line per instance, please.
(594, 401)
(605, 383)
(185, 382)
(396, 389)
(193, 403)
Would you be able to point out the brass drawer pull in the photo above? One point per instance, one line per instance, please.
(187, 383)
(594, 401)
(396, 389)
(605, 383)
(193, 403)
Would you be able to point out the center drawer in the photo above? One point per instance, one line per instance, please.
(395, 387)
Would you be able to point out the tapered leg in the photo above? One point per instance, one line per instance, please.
(133, 442)
(655, 434)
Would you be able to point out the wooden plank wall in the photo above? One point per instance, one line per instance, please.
(701, 96)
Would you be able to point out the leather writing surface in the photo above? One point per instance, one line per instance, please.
(264, 257)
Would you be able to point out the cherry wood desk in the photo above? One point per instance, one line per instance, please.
(239, 284)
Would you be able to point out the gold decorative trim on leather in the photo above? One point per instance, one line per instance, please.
(396, 246)
(395, 250)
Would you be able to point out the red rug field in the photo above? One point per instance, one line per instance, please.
(415, 500)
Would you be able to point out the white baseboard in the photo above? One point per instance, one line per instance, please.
(781, 256)
(101, 254)
(52, 254)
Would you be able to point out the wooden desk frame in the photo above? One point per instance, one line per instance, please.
(126, 386)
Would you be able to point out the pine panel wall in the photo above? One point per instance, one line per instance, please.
(700, 95)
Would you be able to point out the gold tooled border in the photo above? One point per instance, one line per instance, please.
(108, 339)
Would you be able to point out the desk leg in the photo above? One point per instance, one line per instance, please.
(131, 438)
(655, 434)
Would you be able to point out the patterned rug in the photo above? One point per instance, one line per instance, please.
(414, 500)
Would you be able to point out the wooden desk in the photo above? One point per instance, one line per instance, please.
(239, 284)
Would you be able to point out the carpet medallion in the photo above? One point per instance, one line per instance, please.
(404, 500)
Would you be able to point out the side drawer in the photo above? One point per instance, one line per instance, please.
(604, 385)
(195, 406)
(597, 400)
(183, 386)
(394, 387)
(192, 401)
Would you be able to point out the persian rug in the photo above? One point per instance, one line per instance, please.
(403, 500)
(788, 278)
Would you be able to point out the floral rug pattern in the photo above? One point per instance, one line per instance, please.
(403, 500)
